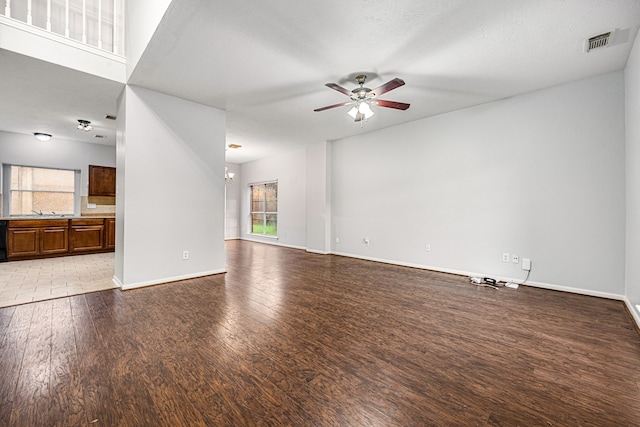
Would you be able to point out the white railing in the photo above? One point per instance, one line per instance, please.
(98, 23)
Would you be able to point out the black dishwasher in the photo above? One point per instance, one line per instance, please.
(3, 241)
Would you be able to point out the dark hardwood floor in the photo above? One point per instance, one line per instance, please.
(292, 338)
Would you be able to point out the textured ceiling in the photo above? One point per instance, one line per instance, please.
(38, 96)
(266, 62)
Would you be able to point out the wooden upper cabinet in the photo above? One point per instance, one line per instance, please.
(102, 181)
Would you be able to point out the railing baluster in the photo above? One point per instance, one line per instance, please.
(48, 15)
(84, 21)
(115, 26)
(116, 30)
(100, 24)
(66, 22)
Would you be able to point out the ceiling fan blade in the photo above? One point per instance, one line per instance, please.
(342, 104)
(391, 104)
(339, 88)
(390, 85)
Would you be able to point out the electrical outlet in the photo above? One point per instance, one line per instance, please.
(365, 241)
(185, 254)
(515, 259)
(427, 248)
(505, 257)
(337, 240)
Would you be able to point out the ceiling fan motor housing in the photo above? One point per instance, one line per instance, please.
(360, 93)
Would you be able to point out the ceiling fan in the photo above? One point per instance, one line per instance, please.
(363, 97)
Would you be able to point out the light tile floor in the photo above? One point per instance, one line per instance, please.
(37, 280)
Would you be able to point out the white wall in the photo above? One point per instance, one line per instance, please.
(318, 197)
(632, 123)
(232, 204)
(540, 175)
(289, 170)
(171, 180)
(120, 187)
(26, 150)
(142, 19)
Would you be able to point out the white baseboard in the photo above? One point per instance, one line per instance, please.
(313, 251)
(267, 242)
(580, 291)
(633, 311)
(117, 282)
(499, 278)
(420, 266)
(129, 286)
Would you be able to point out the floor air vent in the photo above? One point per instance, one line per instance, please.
(599, 41)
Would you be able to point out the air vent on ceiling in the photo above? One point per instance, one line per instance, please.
(110, 117)
(599, 41)
(100, 136)
(234, 146)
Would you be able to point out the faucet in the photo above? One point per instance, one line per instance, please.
(37, 213)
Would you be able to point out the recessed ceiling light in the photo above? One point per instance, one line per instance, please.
(234, 146)
(42, 136)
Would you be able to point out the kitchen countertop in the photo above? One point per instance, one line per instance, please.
(43, 217)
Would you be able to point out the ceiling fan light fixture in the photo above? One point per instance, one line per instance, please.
(366, 110)
(353, 112)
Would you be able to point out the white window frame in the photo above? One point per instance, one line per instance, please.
(6, 189)
(265, 212)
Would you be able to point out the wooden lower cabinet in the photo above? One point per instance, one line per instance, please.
(41, 238)
(54, 240)
(86, 235)
(110, 233)
(32, 238)
(23, 242)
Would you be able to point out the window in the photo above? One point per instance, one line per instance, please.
(41, 190)
(264, 208)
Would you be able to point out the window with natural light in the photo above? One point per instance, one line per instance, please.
(264, 208)
(41, 191)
